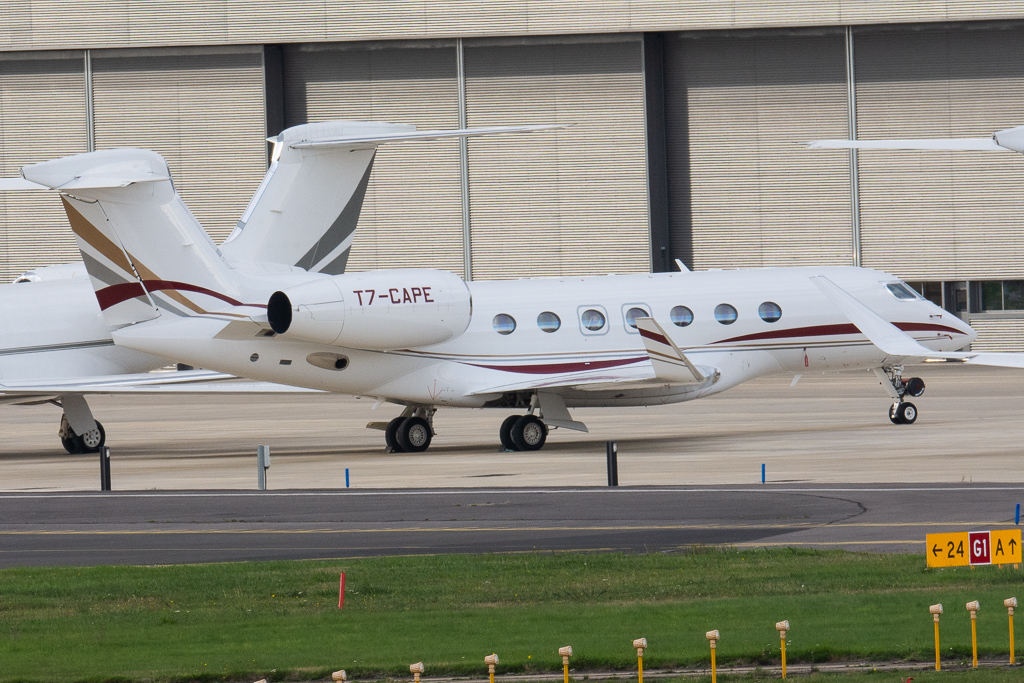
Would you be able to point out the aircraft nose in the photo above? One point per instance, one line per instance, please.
(969, 333)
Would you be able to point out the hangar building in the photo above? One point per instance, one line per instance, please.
(686, 117)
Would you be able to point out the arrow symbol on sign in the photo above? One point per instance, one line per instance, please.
(1013, 545)
(936, 550)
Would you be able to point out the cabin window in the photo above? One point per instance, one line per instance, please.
(725, 314)
(633, 313)
(770, 312)
(901, 291)
(548, 321)
(504, 323)
(681, 316)
(592, 319)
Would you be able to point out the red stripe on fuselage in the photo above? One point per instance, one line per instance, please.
(834, 330)
(115, 294)
(557, 368)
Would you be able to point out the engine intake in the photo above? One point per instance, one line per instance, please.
(378, 310)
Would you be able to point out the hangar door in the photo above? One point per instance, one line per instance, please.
(412, 214)
(941, 215)
(743, 192)
(42, 117)
(571, 202)
(201, 108)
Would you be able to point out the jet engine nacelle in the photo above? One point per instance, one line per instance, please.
(377, 310)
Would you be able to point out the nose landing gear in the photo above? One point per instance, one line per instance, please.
(901, 412)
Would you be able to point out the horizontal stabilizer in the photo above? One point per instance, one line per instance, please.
(12, 184)
(956, 144)
(1009, 139)
(421, 135)
(670, 364)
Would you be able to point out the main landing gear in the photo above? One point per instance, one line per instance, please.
(523, 433)
(901, 412)
(411, 431)
(79, 432)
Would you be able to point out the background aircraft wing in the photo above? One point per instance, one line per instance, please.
(185, 382)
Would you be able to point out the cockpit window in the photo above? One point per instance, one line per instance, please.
(901, 291)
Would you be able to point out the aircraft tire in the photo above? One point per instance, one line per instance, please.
(505, 433)
(907, 413)
(529, 433)
(893, 414)
(414, 435)
(70, 444)
(915, 386)
(92, 443)
(391, 435)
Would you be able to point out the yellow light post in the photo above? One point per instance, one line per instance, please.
(1010, 603)
(782, 627)
(640, 644)
(566, 652)
(936, 610)
(491, 661)
(713, 636)
(339, 676)
(973, 608)
(416, 670)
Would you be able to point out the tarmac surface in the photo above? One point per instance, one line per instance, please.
(838, 475)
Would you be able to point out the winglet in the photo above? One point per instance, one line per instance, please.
(880, 332)
(670, 364)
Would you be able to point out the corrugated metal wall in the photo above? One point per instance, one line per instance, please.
(998, 334)
(202, 109)
(412, 215)
(941, 215)
(42, 117)
(571, 202)
(51, 24)
(743, 192)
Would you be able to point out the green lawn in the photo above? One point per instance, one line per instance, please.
(249, 620)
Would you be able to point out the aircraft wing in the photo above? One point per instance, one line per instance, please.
(894, 342)
(189, 381)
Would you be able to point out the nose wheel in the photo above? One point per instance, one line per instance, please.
(901, 412)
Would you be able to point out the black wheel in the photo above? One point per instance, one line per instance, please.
(915, 386)
(391, 435)
(893, 415)
(505, 432)
(414, 435)
(907, 413)
(529, 433)
(71, 444)
(93, 440)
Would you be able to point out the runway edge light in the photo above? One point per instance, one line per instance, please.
(973, 607)
(713, 636)
(491, 661)
(565, 652)
(1010, 604)
(640, 644)
(783, 627)
(935, 611)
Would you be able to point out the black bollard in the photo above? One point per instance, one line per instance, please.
(612, 451)
(104, 468)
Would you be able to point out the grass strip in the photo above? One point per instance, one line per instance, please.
(280, 619)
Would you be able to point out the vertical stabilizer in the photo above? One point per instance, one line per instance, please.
(144, 251)
(306, 210)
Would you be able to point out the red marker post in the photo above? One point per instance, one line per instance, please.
(341, 592)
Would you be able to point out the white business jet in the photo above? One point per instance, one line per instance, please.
(426, 339)
(56, 348)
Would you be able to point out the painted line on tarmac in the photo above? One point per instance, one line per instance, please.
(489, 529)
(510, 491)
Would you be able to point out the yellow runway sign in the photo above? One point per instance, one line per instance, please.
(974, 547)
